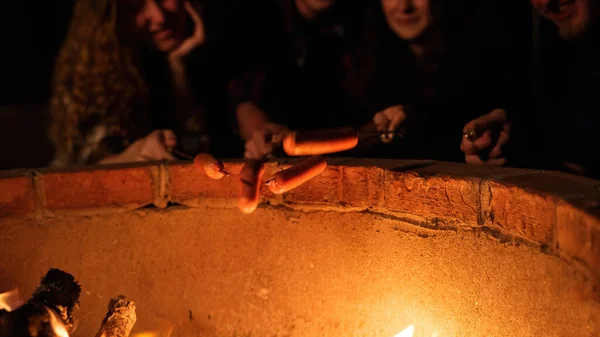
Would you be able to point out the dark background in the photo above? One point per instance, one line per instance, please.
(32, 33)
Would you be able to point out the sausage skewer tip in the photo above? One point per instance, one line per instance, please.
(213, 167)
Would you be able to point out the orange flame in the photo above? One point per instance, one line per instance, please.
(57, 325)
(158, 333)
(10, 300)
(407, 332)
(145, 334)
(158, 328)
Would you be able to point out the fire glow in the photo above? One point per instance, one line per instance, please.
(10, 300)
(57, 325)
(408, 332)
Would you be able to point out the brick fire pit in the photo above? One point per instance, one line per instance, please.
(368, 248)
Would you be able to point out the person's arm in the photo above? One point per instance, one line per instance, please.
(191, 51)
(501, 93)
(254, 124)
(251, 118)
(485, 139)
(155, 146)
(60, 131)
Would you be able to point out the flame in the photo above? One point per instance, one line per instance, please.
(57, 325)
(161, 333)
(159, 328)
(10, 300)
(145, 334)
(407, 332)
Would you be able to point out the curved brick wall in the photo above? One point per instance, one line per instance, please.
(557, 212)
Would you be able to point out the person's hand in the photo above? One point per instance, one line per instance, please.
(197, 39)
(389, 120)
(261, 142)
(485, 137)
(155, 146)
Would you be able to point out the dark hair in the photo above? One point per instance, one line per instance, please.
(95, 74)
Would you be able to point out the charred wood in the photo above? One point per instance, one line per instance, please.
(49, 311)
(119, 320)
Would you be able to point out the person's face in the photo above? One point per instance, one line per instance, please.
(407, 18)
(571, 17)
(160, 23)
(313, 7)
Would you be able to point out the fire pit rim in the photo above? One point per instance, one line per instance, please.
(559, 213)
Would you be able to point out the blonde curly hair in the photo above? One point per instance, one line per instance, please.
(95, 76)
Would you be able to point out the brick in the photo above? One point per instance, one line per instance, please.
(578, 234)
(17, 196)
(563, 185)
(361, 186)
(322, 189)
(519, 211)
(432, 196)
(124, 187)
(188, 182)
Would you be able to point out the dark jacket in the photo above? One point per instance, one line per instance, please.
(470, 79)
(296, 78)
(566, 121)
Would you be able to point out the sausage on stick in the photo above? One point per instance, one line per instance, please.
(317, 142)
(213, 167)
(249, 185)
(296, 175)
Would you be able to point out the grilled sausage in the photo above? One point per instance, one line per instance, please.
(317, 142)
(296, 175)
(249, 185)
(213, 167)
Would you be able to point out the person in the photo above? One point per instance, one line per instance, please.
(295, 81)
(130, 83)
(421, 69)
(564, 128)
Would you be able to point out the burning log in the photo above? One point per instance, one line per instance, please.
(119, 320)
(49, 311)
(59, 291)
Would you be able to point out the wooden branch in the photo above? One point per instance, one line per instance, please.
(119, 320)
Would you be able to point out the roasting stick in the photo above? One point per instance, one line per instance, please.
(181, 154)
(306, 143)
(317, 143)
(327, 141)
(368, 134)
